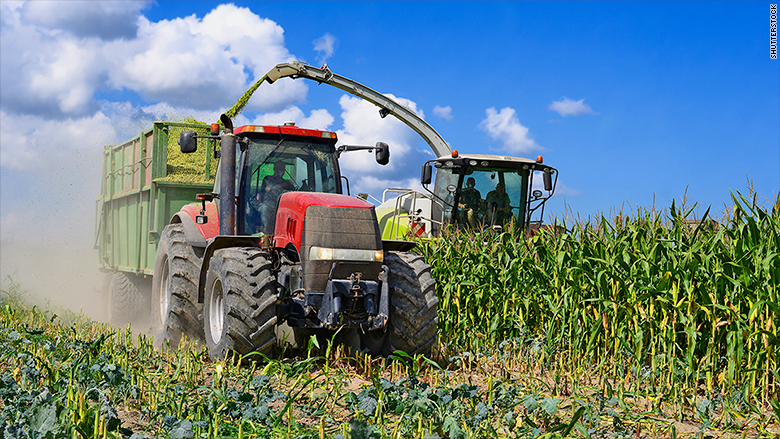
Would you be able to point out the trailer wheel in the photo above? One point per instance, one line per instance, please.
(124, 300)
(240, 303)
(413, 304)
(175, 308)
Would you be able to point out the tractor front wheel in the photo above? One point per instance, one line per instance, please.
(240, 303)
(413, 303)
(175, 308)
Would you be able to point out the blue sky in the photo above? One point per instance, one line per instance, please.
(633, 102)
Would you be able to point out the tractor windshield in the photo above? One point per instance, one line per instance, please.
(482, 197)
(271, 168)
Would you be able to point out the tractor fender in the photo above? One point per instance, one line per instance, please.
(197, 235)
(217, 243)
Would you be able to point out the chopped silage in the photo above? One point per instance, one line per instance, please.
(189, 168)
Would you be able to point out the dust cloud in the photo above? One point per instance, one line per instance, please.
(54, 274)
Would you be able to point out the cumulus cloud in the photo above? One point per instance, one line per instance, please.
(32, 144)
(443, 112)
(46, 74)
(364, 126)
(325, 45)
(317, 119)
(569, 107)
(106, 20)
(56, 69)
(504, 126)
(204, 63)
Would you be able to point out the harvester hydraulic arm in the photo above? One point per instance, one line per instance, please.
(386, 105)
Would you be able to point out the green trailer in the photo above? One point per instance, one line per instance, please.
(145, 181)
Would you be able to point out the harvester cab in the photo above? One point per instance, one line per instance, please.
(284, 243)
(479, 191)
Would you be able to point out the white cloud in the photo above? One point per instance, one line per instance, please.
(568, 107)
(505, 127)
(364, 126)
(32, 144)
(45, 74)
(200, 64)
(443, 112)
(103, 19)
(325, 45)
(317, 119)
(203, 63)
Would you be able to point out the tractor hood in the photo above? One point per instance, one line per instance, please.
(292, 210)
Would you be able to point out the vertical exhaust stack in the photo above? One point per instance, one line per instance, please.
(227, 181)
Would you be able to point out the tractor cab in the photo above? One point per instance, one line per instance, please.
(274, 160)
(478, 191)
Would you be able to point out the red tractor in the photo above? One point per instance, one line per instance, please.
(278, 241)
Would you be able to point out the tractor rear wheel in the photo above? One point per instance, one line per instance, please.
(240, 303)
(124, 300)
(413, 304)
(175, 308)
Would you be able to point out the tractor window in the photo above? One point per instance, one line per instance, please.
(272, 168)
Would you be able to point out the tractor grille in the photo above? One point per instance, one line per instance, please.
(338, 227)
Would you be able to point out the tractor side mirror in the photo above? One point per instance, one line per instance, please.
(427, 173)
(188, 141)
(382, 152)
(547, 181)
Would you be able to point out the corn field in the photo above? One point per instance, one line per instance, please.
(667, 307)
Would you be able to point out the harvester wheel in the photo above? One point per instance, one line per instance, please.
(124, 300)
(413, 303)
(240, 303)
(175, 308)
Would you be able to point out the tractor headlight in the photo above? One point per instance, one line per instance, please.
(344, 254)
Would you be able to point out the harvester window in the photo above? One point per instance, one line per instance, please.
(490, 197)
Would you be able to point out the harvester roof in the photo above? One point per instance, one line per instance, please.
(491, 160)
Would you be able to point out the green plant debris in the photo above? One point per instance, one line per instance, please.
(244, 99)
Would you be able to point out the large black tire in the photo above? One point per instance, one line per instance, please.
(413, 303)
(240, 303)
(175, 308)
(124, 300)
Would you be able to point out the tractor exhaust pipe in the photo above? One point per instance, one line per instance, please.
(227, 180)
